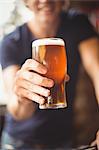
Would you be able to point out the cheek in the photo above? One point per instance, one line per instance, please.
(32, 4)
(59, 7)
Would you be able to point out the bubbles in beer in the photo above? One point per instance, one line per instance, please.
(51, 52)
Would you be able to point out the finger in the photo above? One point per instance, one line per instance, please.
(37, 79)
(21, 92)
(33, 88)
(97, 139)
(33, 65)
(93, 143)
(67, 77)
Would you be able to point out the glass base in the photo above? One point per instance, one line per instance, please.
(52, 106)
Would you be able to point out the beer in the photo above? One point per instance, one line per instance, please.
(51, 53)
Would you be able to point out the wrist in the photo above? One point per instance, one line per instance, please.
(21, 108)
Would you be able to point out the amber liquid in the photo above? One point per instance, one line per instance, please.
(54, 58)
(55, 61)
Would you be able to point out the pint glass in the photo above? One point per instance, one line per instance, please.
(51, 52)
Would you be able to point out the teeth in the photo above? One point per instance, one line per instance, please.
(44, 7)
(47, 8)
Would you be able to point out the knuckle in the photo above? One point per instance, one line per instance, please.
(24, 75)
(30, 86)
(35, 78)
(45, 92)
(33, 88)
(37, 66)
(31, 76)
(40, 100)
(35, 62)
(42, 80)
(28, 61)
(27, 64)
(28, 94)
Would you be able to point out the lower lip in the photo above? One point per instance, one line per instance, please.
(46, 10)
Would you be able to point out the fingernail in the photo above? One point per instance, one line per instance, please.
(44, 70)
(47, 93)
(51, 83)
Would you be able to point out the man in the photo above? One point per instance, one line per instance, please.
(28, 127)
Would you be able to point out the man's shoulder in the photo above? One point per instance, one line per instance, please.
(15, 35)
(73, 14)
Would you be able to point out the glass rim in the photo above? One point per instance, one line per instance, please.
(48, 41)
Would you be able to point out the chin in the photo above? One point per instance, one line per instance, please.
(48, 17)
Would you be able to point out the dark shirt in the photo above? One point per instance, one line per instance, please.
(47, 126)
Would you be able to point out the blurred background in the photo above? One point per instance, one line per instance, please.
(86, 114)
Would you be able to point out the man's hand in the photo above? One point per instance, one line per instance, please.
(31, 83)
(96, 142)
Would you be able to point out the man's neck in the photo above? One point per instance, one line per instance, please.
(42, 30)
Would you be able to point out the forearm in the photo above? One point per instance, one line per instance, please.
(20, 110)
(89, 51)
(96, 85)
(26, 89)
(93, 72)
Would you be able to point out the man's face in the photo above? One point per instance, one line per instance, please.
(45, 9)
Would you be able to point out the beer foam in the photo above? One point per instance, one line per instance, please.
(48, 41)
